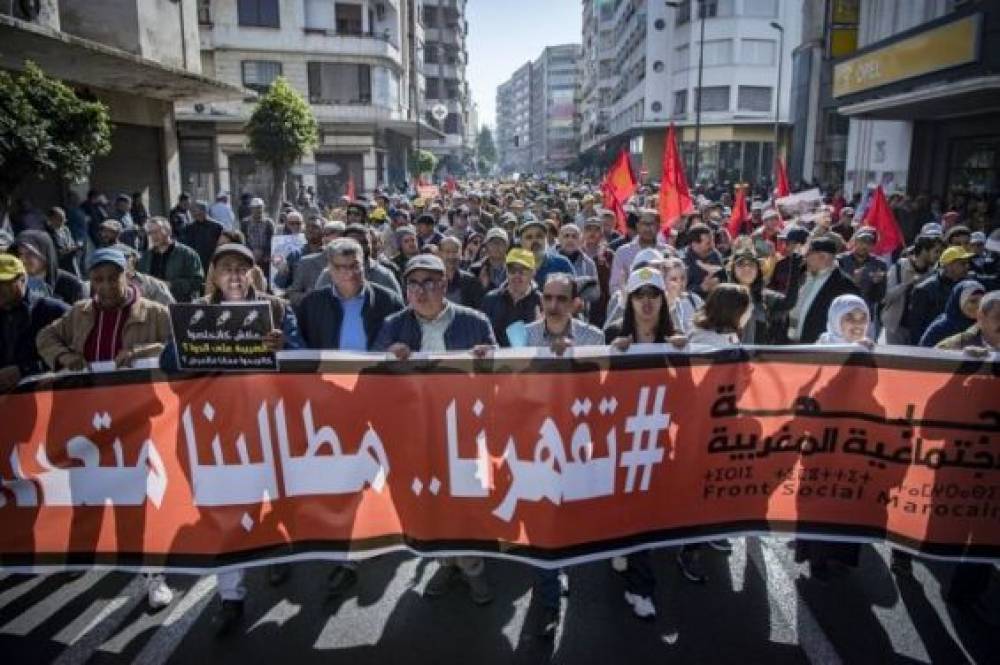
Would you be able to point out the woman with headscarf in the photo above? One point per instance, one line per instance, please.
(846, 323)
(683, 303)
(959, 313)
(38, 253)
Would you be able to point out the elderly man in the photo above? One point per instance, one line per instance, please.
(492, 269)
(375, 272)
(202, 234)
(595, 246)
(175, 263)
(22, 316)
(647, 229)
(463, 287)
(570, 246)
(534, 238)
(409, 246)
(309, 268)
(867, 272)
(258, 231)
(431, 323)
(702, 260)
(823, 282)
(558, 329)
(518, 300)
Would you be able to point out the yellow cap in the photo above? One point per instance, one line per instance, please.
(378, 215)
(953, 254)
(521, 257)
(10, 267)
(419, 202)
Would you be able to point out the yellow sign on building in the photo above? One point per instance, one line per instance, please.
(933, 50)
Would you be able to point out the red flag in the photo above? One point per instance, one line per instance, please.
(618, 185)
(675, 197)
(879, 217)
(351, 193)
(781, 179)
(450, 184)
(740, 215)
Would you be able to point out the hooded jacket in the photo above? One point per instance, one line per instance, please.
(952, 321)
(61, 284)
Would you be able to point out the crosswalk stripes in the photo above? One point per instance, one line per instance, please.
(12, 594)
(39, 613)
(178, 622)
(83, 636)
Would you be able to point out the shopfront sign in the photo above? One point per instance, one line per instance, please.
(933, 50)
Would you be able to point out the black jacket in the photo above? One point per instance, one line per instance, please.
(63, 285)
(469, 328)
(927, 300)
(320, 315)
(468, 289)
(202, 237)
(502, 311)
(837, 284)
(19, 327)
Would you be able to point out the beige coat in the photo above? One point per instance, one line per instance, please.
(144, 334)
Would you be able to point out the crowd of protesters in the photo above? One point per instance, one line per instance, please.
(509, 264)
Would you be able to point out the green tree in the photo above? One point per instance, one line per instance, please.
(282, 129)
(46, 128)
(422, 162)
(486, 148)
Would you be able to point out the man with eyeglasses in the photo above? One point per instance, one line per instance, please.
(430, 323)
(349, 314)
(375, 271)
(558, 329)
(535, 239)
(647, 236)
(518, 299)
(309, 267)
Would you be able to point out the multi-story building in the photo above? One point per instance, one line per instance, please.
(537, 119)
(818, 147)
(651, 55)
(137, 58)
(923, 97)
(445, 58)
(352, 60)
(554, 123)
(513, 122)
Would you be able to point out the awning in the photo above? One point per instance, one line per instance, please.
(951, 99)
(85, 62)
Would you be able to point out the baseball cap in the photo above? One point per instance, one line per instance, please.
(931, 230)
(865, 233)
(495, 234)
(645, 277)
(406, 230)
(112, 225)
(593, 221)
(794, 234)
(956, 231)
(521, 257)
(10, 267)
(256, 202)
(822, 244)
(531, 221)
(953, 254)
(107, 255)
(424, 262)
(233, 249)
(978, 238)
(769, 213)
(647, 256)
(377, 215)
(508, 218)
(334, 226)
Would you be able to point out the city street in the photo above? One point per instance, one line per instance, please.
(754, 609)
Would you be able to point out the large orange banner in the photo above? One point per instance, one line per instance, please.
(544, 459)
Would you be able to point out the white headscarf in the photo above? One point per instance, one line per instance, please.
(839, 308)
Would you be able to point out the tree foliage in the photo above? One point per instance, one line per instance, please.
(421, 162)
(485, 146)
(46, 128)
(282, 129)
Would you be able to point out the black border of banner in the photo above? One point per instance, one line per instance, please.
(340, 550)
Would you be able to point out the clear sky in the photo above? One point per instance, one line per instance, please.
(505, 34)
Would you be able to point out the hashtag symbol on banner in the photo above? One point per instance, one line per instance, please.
(645, 427)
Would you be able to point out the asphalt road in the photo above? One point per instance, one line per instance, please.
(757, 607)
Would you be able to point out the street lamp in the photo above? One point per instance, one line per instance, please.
(701, 68)
(777, 92)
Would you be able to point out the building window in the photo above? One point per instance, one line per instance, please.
(204, 12)
(715, 98)
(260, 74)
(764, 8)
(680, 102)
(681, 57)
(339, 83)
(453, 124)
(718, 52)
(683, 12)
(753, 98)
(714, 8)
(348, 19)
(258, 13)
(319, 15)
(757, 52)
